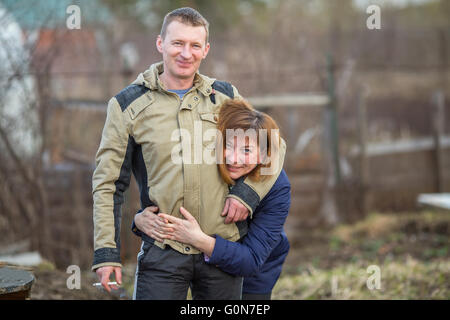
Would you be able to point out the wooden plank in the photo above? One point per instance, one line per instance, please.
(405, 181)
(401, 146)
(259, 102)
(417, 163)
(394, 200)
(22, 259)
(305, 164)
(290, 100)
(436, 200)
(307, 184)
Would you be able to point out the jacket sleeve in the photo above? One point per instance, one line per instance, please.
(110, 179)
(246, 258)
(250, 192)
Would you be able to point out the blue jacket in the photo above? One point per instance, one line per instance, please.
(259, 256)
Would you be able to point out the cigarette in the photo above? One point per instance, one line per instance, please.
(98, 284)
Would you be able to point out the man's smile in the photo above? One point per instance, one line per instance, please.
(183, 64)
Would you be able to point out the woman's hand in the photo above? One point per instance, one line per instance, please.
(151, 224)
(184, 230)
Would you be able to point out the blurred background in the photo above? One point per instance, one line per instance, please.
(365, 113)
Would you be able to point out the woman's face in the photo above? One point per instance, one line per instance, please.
(241, 158)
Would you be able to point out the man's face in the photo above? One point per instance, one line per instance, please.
(183, 49)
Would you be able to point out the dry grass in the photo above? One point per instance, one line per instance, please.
(411, 250)
(408, 279)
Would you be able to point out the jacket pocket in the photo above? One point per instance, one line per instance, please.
(139, 105)
(210, 117)
(209, 129)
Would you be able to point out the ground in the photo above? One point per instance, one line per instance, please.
(410, 250)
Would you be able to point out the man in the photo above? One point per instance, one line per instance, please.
(138, 136)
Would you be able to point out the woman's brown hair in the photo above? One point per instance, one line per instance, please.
(239, 114)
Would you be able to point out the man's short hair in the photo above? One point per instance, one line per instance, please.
(187, 16)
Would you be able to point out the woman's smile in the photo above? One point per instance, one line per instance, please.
(234, 168)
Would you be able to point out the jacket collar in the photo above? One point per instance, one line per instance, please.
(150, 79)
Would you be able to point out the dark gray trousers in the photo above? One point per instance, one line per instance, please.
(166, 274)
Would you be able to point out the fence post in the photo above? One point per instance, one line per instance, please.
(331, 109)
(329, 207)
(362, 140)
(78, 211)
(438, 101)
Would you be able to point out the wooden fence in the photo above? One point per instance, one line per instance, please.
(71, 220)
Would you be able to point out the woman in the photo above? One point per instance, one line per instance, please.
(259, 255)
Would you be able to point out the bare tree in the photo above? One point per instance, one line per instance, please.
(24, 109)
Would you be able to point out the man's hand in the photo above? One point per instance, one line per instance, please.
(104, 273)
(234, 210)
(149, 223)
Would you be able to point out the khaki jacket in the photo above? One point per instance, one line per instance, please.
(142, 136)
